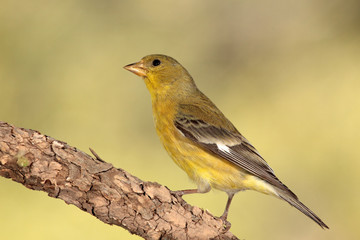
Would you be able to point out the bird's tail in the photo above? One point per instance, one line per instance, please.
(294, 201)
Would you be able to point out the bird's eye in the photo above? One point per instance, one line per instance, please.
(156, 62)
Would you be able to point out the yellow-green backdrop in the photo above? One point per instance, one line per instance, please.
(286, 73)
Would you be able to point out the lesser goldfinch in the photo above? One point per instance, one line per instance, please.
(202, 141)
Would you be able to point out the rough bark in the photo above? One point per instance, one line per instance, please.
(114, 196)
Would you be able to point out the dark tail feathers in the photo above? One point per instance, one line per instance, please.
(293, 201)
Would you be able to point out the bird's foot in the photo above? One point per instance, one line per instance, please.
(226, 223)
(181, 193)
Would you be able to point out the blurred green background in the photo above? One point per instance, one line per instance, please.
(286, 73)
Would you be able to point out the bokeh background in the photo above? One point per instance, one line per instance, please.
(286, 73)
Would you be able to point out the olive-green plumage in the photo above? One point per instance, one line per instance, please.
(202, 141)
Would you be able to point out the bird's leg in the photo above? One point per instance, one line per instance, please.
(201, 189)
(225, 214)
(180, 193)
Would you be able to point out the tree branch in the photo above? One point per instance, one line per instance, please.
(112, 195)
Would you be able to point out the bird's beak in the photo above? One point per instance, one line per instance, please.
(137, 68)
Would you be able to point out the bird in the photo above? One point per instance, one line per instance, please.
(202, 141)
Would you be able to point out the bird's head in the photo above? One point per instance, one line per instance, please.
(162, 73)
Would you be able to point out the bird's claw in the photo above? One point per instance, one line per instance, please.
(179, 193)
(226, 224)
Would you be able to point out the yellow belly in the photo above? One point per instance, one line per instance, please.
(205, 169)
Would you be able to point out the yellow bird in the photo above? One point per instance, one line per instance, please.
(202, 141)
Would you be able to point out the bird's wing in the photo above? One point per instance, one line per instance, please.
(227, 144)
